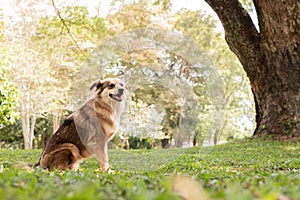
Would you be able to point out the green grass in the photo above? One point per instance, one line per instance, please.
(249, 169)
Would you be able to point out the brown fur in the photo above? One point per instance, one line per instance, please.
(66, 149)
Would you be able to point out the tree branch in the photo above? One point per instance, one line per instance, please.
(67, 28)
(240, 32)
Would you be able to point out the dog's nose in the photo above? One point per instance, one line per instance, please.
(121, 90)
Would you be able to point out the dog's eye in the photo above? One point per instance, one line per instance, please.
(111, 85)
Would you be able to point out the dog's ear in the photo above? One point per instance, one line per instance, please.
(96, 84)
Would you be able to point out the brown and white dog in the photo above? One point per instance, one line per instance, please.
(87, 131)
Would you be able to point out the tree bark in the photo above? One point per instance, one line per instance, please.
(165, 143)
(271, 58)
(24, 129)
(28, 124)
(31, 132)
(179, 135)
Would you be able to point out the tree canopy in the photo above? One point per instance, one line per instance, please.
(48, 70)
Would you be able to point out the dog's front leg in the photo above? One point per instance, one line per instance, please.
(102, 157)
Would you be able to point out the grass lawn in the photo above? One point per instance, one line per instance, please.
(248, 169)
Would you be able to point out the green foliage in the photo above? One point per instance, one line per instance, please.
(248, 5)
(76, 28)
(138, 14)
(199, 26)
(43, 126)
(243, 170)
(165, 4)
(11, 135)
(8, 92)
(139, 143)
(8, 96)
(78, 21)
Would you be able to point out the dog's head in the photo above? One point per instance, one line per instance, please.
(112, 89)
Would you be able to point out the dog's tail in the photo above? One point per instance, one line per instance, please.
(23, 165)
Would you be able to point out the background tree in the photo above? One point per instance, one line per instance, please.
(144, 14)
(50, 49)
(26, 68)
(127, 18)
(271, 58)
(8, 93)
(31, 76)
(138, 14)
(68, 39)
(200, 27)
(48, 43)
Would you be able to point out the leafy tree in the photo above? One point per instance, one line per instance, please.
(72, 29)
(7, 90)
(48, 50)
(270, 57)
(139, 14)
(187, 22)
(26, 67)
(200, 27)
(31, 75)
(70, 37)
(136, 15)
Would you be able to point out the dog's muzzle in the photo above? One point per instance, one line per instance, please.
(118, 96)
(121, 90)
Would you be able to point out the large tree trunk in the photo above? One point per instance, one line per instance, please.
(277, 97)
(271, 59)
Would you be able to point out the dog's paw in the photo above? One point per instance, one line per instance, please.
(23, 165)
(104, 167)
(111, 171)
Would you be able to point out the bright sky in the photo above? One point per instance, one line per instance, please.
(176, 4)
(104, 6)
(7, 7)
